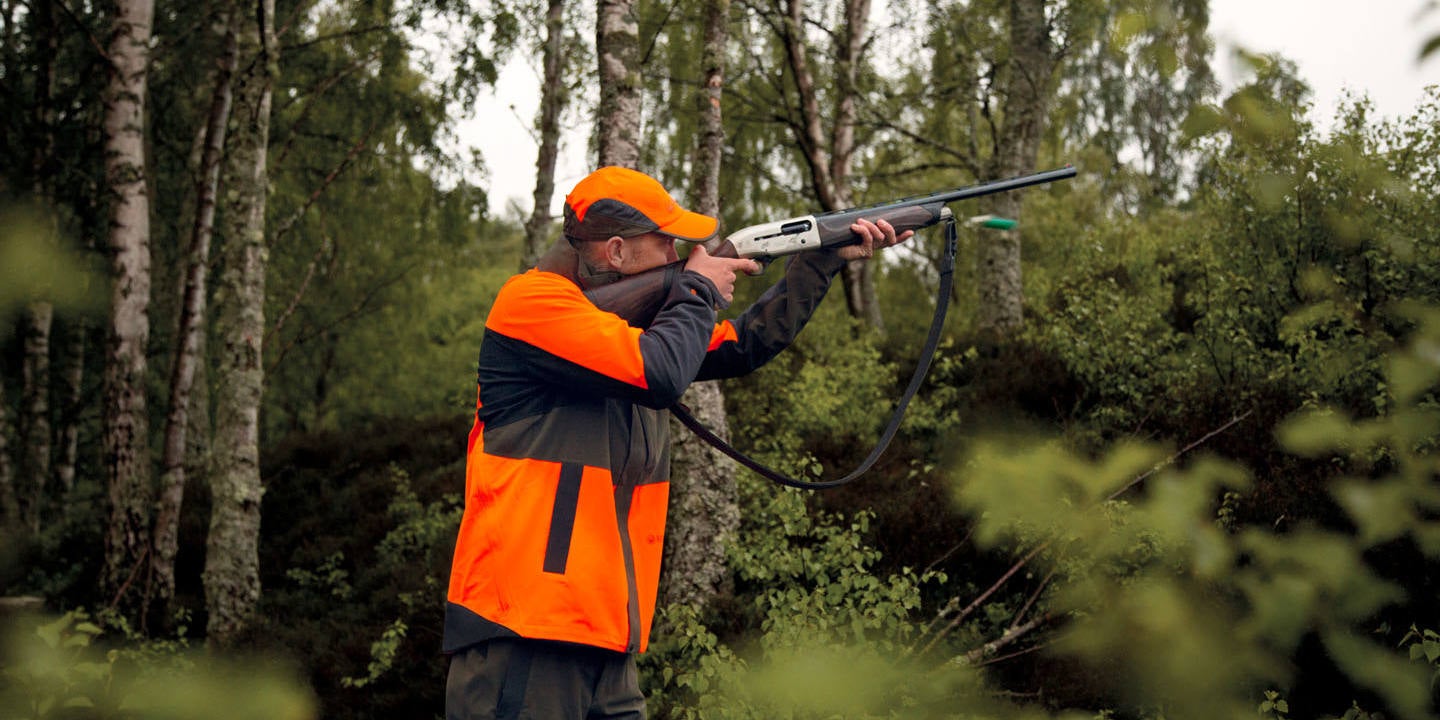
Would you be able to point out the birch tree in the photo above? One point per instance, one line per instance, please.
(187, 357)
(232, 572)
(72, 401)
(554, 96)
(9, 503)
(704, 506)
(35, 428)
(125, 431)
(617, 45)
(36, 432)
(819, 109)
(1026, 84)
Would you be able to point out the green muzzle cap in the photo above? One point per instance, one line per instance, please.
(993, 223)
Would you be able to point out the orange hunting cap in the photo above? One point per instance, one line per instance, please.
(620, 201)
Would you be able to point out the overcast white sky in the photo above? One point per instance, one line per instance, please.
(1363, 46)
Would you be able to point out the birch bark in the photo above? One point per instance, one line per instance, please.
(125, 428)
(553, 99)
(188, 357)
(704, 503)
(617, 45)
(232, 564)
(1028, 84)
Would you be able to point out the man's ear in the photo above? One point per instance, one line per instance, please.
(612, 250)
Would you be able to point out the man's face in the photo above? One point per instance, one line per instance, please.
(646, 252)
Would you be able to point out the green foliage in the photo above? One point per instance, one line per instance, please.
(829, 384)
(329, 578)
(362, 528)
(382, 653)
(1424, 645)
(829, 628)
(372, 250)
(1274, 707)
(62, 668)
(1295, 271)
(1209, 615)
(36, 266)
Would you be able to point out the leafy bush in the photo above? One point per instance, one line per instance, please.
(72, 667)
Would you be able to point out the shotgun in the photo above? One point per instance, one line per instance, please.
(638, 297)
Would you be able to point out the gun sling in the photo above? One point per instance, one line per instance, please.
(927, 354)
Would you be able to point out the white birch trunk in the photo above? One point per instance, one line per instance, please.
(126, 434)
(1028, 83)
(704, 500)
(553, 98)
(232, 564)
(9, 503)
(36, 432)
(617, 45)
(72, 378)
(192, 321)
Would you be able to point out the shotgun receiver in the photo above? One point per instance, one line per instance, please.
(638, 297)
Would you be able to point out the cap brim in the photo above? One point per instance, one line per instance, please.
(691, 226)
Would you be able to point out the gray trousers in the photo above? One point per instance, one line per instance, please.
(509, 679)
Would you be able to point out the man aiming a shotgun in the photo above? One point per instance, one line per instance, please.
(557, 563)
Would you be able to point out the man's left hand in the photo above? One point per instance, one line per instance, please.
(874, 236)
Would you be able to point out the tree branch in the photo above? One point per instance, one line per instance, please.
(1010, 635)
(1180, 453)
(1022, 562)
(352, 32)
(318, 90)
(95, 43)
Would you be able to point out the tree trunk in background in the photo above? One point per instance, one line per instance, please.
(1029, 81)
(829, 158)
(704, 502)
(126, 436)
(72, 377)
(232, 572)
(192, 320)
(617, 45)
(9, 504)
(36, 433)
(35, 429)
(858, 275)
(553, 98)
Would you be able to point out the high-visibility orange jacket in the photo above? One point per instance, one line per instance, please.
(568, 467)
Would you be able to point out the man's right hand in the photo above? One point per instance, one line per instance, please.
(721, 271)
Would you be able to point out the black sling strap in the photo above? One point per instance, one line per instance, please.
(942, 304)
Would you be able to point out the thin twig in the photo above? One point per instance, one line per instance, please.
(1013, 655)
(1022, 562)
(125, 586)
(951, 551)
(1171, 460)
(1030, 602)
(1009, 636)
(94, 41)
(977, 602)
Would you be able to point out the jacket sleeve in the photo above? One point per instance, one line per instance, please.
(773, 322)
(552, 334)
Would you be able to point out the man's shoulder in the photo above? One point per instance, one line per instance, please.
(534, 289)
(539, 281)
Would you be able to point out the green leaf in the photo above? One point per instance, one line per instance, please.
(1316, 434)
(1431, 47)
(1412, 374)
(1382, 511)
(1405, 685)
(52, 632)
